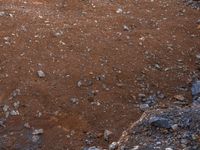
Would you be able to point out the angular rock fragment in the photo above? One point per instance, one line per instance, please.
(41, 74)
(107, 135)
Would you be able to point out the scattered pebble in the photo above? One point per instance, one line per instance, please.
(38, 131)
(27, 125)
(14, 112)
(74, 100)
(119, 10)
(35, 138)
(113, 146)
(5, 108)
(84, 83)
(107, 135)
(41, 74)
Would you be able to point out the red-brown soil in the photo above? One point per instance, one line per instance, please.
(120, 48)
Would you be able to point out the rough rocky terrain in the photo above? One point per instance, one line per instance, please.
(169, 129)
(75, 74)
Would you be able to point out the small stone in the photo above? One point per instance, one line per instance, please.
(2, 122)
(84, 83)
(141, 95)
(5, 108)
(119, 10)
(113, 146)
(158, 143)
(135, 148)
(168, 148)
(107, 135)
(157, 66)
(198, 56)
(14, 113)
(74, 100)
(27, 125)
(179, 97)
(39, 114)
(160, 122)
(126, 28)
(160, 95)
(16, 104)
(7, 114)
(93, 148)
(16, 92)
(196, 88)
(184, 141)
(174, 127)
(144, 107)
(58, 33)
(2, 13)
(38, 131)
(35, 138)
(41, 74)
(198, 21)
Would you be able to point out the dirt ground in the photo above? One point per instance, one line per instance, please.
(99, 58)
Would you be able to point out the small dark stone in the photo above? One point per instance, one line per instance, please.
(160, 122)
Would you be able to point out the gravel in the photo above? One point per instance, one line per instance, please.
(176, 128)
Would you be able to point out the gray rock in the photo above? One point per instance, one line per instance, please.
(168, 148)
(126, 28)
(74, 100)
(58, 33)
(27, 125)
(144, 107)
(198, 56)
(119, 10)
(2, 13)
(5, 108)
(196, 101)
(35, 138)
(38, 131)
(196, 88)
(107, 135)
(198, 21)
(113, 146)
(16, 104)
(160, 122)
(195, 91)
(16, 92)
(84, 83)
(41, 74)
(14, 113)
(2, 123)
(174, 127)
(92, 148)
(135, 148)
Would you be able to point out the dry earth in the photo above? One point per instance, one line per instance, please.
(97, 61)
